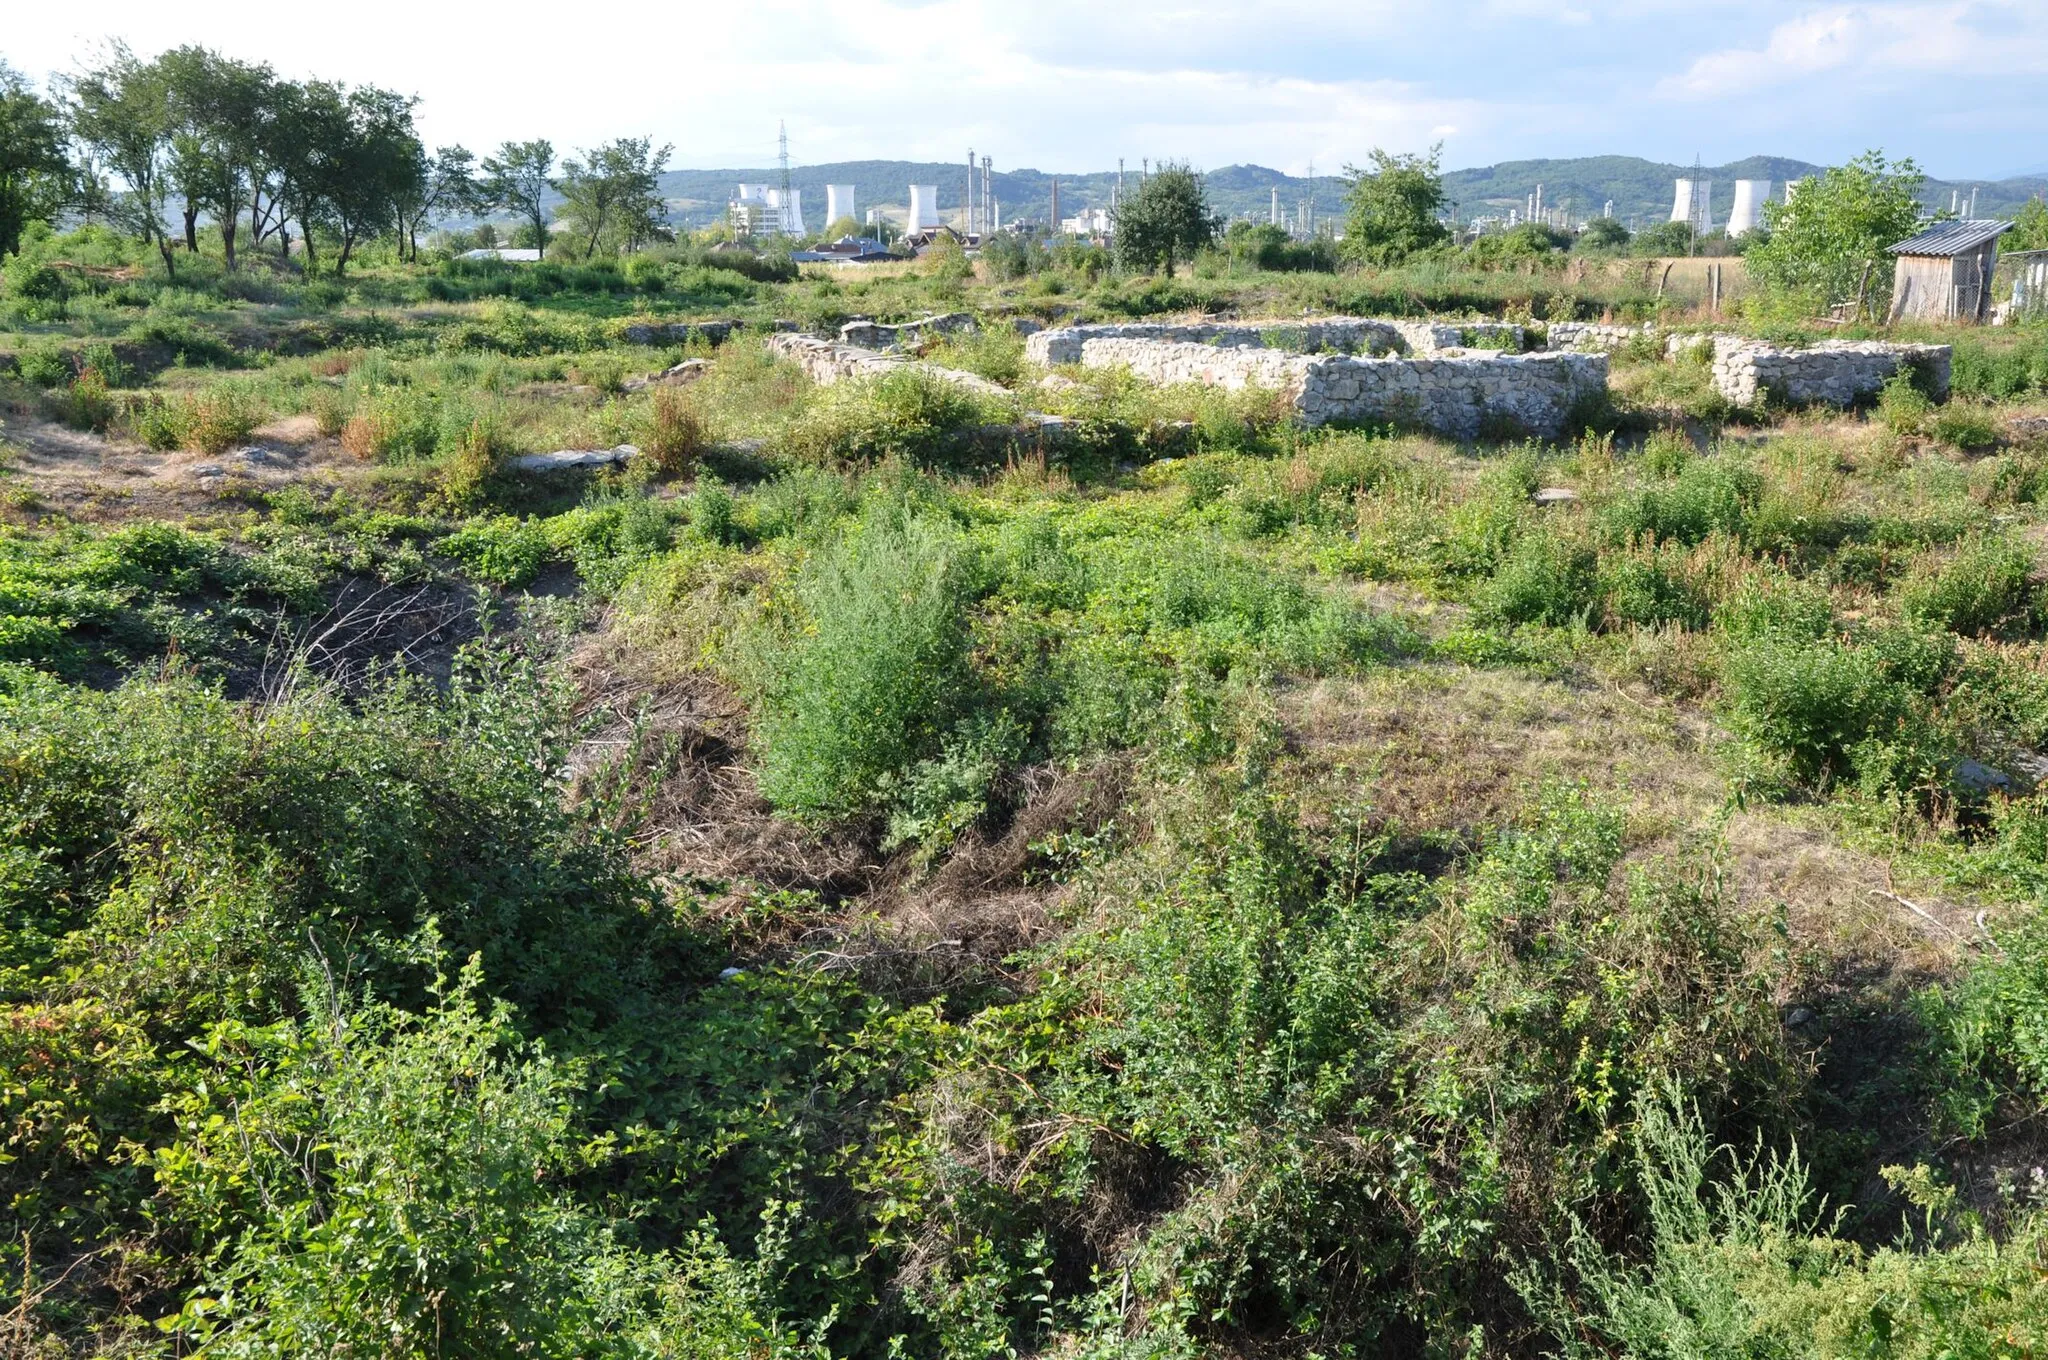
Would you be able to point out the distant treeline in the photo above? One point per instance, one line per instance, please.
(158, 147)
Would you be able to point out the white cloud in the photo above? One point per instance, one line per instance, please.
(1868, 44)
(1073, 84)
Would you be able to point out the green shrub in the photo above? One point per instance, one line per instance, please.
(161, 424)
(1709, 495)
(873, 672)
(502, 549)
(1547, 578)
(88, 405)
(1983, 586)
(802, 502)
(1966, 426)
(905, 414)
(676, 437)
(45, 364)
(1649, 586)
(1827, 707)
(1743, 1259)
(1903, 407)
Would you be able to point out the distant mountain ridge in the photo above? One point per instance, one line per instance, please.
(1640, 190)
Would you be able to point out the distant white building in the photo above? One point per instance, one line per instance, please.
(757, 210)
(1087, 222)
(509, 254)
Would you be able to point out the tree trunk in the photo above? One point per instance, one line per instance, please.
(191, 226)
(348, 244)
(163, 247)
(227, 239)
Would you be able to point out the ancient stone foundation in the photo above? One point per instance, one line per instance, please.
(1462, 395)
(874, 335)
(1320, 335)
(1593, 335)
(1832, 373)
(826, 363)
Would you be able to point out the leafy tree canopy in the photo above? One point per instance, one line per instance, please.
(1166, 221)
(1391, 209)
(1828, 240)
(33, 168)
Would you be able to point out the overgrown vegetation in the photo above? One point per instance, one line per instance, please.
(863, 876)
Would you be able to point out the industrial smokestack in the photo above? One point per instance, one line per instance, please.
(1748, 213)
(838, 203)
(924, 207)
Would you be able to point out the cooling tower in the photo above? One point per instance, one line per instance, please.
(1693, 196)
(924, 207)
(838, 203)
(1748, 213)
(753, 193)
(792, 212)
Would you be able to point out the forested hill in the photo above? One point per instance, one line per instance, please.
(1638, 188)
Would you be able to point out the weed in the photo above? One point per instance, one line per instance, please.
(676, 436)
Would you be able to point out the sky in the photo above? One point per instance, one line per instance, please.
(1071, 85)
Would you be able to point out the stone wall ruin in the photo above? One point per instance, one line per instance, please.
(1463, 395)
(1839, 373)
(1318, 335)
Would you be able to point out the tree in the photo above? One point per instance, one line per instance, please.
(2030, 227)
(517, 179)
(122, 110)
(1167, 220)
(214, 105)
(34, 172)
(1828, 241)
(1664, 238)
(442, 183)
(362, 158)
(1603, 233)
(613, 193)
(1390, 211)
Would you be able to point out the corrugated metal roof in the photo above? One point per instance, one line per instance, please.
(1951, 238)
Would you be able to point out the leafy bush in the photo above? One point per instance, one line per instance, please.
(218, 419)
(444, 1197)
(905, 414)
(1965, 426)
(1829, 708)
(501, 549)
(1982, 587)
(873, 671)
(88, 405)
(1547, 578)
(44, 364)
(1903, 407)
(1708, 495)
(1743, 1260)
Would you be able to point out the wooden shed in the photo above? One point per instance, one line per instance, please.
(1944, 273)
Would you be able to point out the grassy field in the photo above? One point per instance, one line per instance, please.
(856, 880)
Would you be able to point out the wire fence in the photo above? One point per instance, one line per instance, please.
(2021, 284)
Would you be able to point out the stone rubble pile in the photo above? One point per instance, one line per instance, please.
(712, 333)
(1339, 334)
(573, 458)
(688, 371)
(874, 335)
(826, 363)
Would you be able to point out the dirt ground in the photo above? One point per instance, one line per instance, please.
(47, 468)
